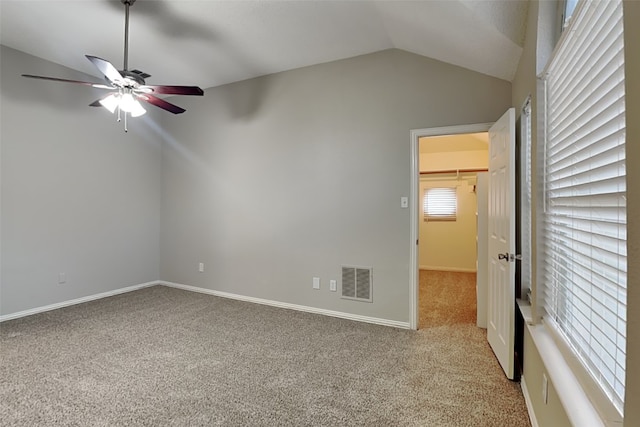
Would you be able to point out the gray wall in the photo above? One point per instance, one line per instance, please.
(274, 180)
(632, 100)
(78, 195)
(269, 182)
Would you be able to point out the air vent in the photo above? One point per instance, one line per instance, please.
(356, 283)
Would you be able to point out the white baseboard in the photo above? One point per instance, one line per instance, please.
(453, 269)
(339, 314)
(527, 400)
(307, 309)
(75, 301)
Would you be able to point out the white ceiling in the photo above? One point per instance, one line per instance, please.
(454, 143)
(210, 43)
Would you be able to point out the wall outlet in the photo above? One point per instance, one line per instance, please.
(545, 389)
(201, 267)
(333, 285)
(62, 278)
(316, 283)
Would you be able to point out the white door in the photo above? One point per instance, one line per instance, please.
(501, 230)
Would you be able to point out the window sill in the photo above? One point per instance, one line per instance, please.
(573, 397)
(525, 310)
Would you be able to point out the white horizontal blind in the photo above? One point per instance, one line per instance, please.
(584, 234)
(440, 204)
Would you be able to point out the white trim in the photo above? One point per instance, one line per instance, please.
(339, 314)
(527, 401)
(573, 397)
(452, 269)
(598, 398)
(304, 308)
(68, 303)
(414, 229)
(414, 202)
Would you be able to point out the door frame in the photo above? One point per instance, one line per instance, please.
(414, 201)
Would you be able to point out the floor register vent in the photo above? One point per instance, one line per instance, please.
(356, 283)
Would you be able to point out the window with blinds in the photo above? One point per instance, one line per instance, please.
(584, 268)
(440, 204)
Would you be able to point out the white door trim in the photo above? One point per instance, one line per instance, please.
(414, 198)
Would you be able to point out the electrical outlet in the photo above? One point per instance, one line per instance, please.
(201, 267)
(316, 283)
(545, 389)
(62, 278)
(333, 285)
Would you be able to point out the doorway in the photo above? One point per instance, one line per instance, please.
(448, 248)
(457, 173)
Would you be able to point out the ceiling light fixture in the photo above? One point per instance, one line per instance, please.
(123, 101)
(128, 85)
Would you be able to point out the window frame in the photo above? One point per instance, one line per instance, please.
(566, 14)
(526, 191)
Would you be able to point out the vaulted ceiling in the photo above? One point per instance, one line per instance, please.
(210, 43)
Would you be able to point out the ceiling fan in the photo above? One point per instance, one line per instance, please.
(128, 86)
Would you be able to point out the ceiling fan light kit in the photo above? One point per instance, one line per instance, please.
(128, 86)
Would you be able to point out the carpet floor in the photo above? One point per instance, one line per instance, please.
(167, 357)
(446, 298)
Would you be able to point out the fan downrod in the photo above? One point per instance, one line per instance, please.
(126, 4)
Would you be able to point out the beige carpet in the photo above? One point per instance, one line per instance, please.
(447, 298)
(167, 357)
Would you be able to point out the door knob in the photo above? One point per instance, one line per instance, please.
(509, 257)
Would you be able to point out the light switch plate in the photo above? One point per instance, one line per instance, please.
(404, 202)
(316, 283)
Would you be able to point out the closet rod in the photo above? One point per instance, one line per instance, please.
(453, 171)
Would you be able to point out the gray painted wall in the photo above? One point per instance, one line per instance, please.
(274, 180)
(631, 10)
(268, 182)
(78, 195)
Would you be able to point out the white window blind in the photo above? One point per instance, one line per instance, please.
(584, 233)
(440, 204)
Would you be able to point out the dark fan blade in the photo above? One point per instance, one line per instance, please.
(106, 68)
(175, 90)
(162, 103)
(95, 103)
(55, 79)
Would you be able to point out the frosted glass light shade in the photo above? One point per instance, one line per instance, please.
(110, 102)
(131, 105)
(126, 102)
(137, 109)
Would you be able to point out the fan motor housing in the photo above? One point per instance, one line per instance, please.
(130, 75)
